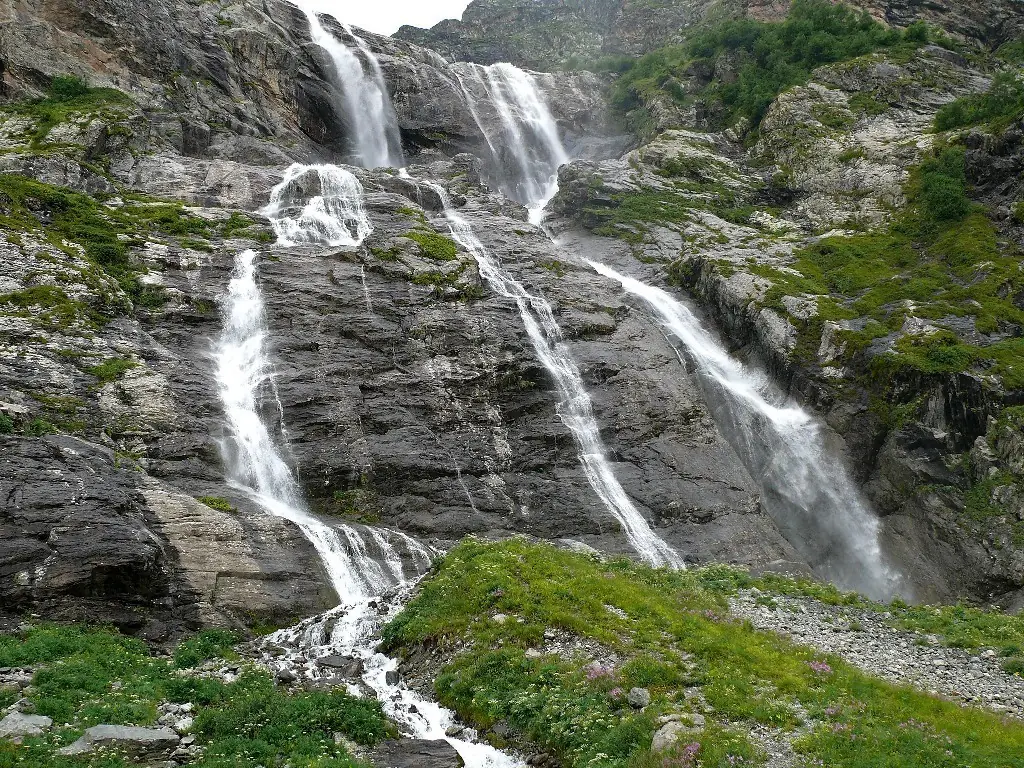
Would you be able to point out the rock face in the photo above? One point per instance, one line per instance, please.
(546, 35)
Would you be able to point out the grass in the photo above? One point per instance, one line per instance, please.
(88, 676)
(767, 58)
(106, 235)
(216, 502)
(434, 246)
(942, 258)
(111, 370)
(671, 634)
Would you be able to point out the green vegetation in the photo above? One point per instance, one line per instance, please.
(216, 502)
(112, 370)
(769, 58)
(940, 259)
(6, 424)
(90, 676)
(69, 219)
(671, 634)
(68, 95)
(434, 246)
(999, 107)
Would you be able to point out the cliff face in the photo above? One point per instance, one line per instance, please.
(407, 389)
(548, 35)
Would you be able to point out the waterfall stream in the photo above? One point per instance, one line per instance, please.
(575, 407)
(804, 487)
(375, 136)
(521, 134)
(371, 569)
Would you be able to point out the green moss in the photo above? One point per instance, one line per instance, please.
(671, 632)
(112, 370)
(216, 502)
(40, 427)
(1018, 212)
(68, 96)
(434, 246)
(865, 103)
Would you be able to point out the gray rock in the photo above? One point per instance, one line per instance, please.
(415, 753)
(16, 726)
(638, 698)
(137, 742)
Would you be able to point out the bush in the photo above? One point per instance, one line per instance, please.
(943, 187)
(773, 57)
(6, 424)
(67, 87)
(1001, 105)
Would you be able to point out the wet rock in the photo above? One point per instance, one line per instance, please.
(416, 753)
(392, 677)
(344, 666)
(137, 742)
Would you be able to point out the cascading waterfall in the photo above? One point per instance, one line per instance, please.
(365, 565)
(811, 498)
(375, 135)
(575, 407)
(318, 204)
(523, 140)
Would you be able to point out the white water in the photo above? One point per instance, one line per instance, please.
(575, 407)
(374, 126)
(809, 495)
(524, 144)
(319, 204)
(366, 566)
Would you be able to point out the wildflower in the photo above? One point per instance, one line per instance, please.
(616, 693)
(597, 670)
(821, 667)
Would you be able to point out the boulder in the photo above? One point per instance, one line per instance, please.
(639, 698)
(17, 726)
(128, 740)
(416, 753)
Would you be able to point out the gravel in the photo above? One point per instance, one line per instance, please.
(865, 640)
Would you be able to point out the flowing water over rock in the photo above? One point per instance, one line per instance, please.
(318, 204)
(804, 487)
(575, 407)
(522, 135)
(373, 124)
(371, 569)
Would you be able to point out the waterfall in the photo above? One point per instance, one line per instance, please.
(575, 407)
(376, 139)
(522, 135)
(318, 204)
(805, 490)
(366, 566)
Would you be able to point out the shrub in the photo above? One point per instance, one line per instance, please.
(66, 87)
(773, 57)
(40, 427)
(6, 424)
(1000, 105)
(943, 186)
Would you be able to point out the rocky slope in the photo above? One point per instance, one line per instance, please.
(549, 35)
(408, 390)
(410, 398)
